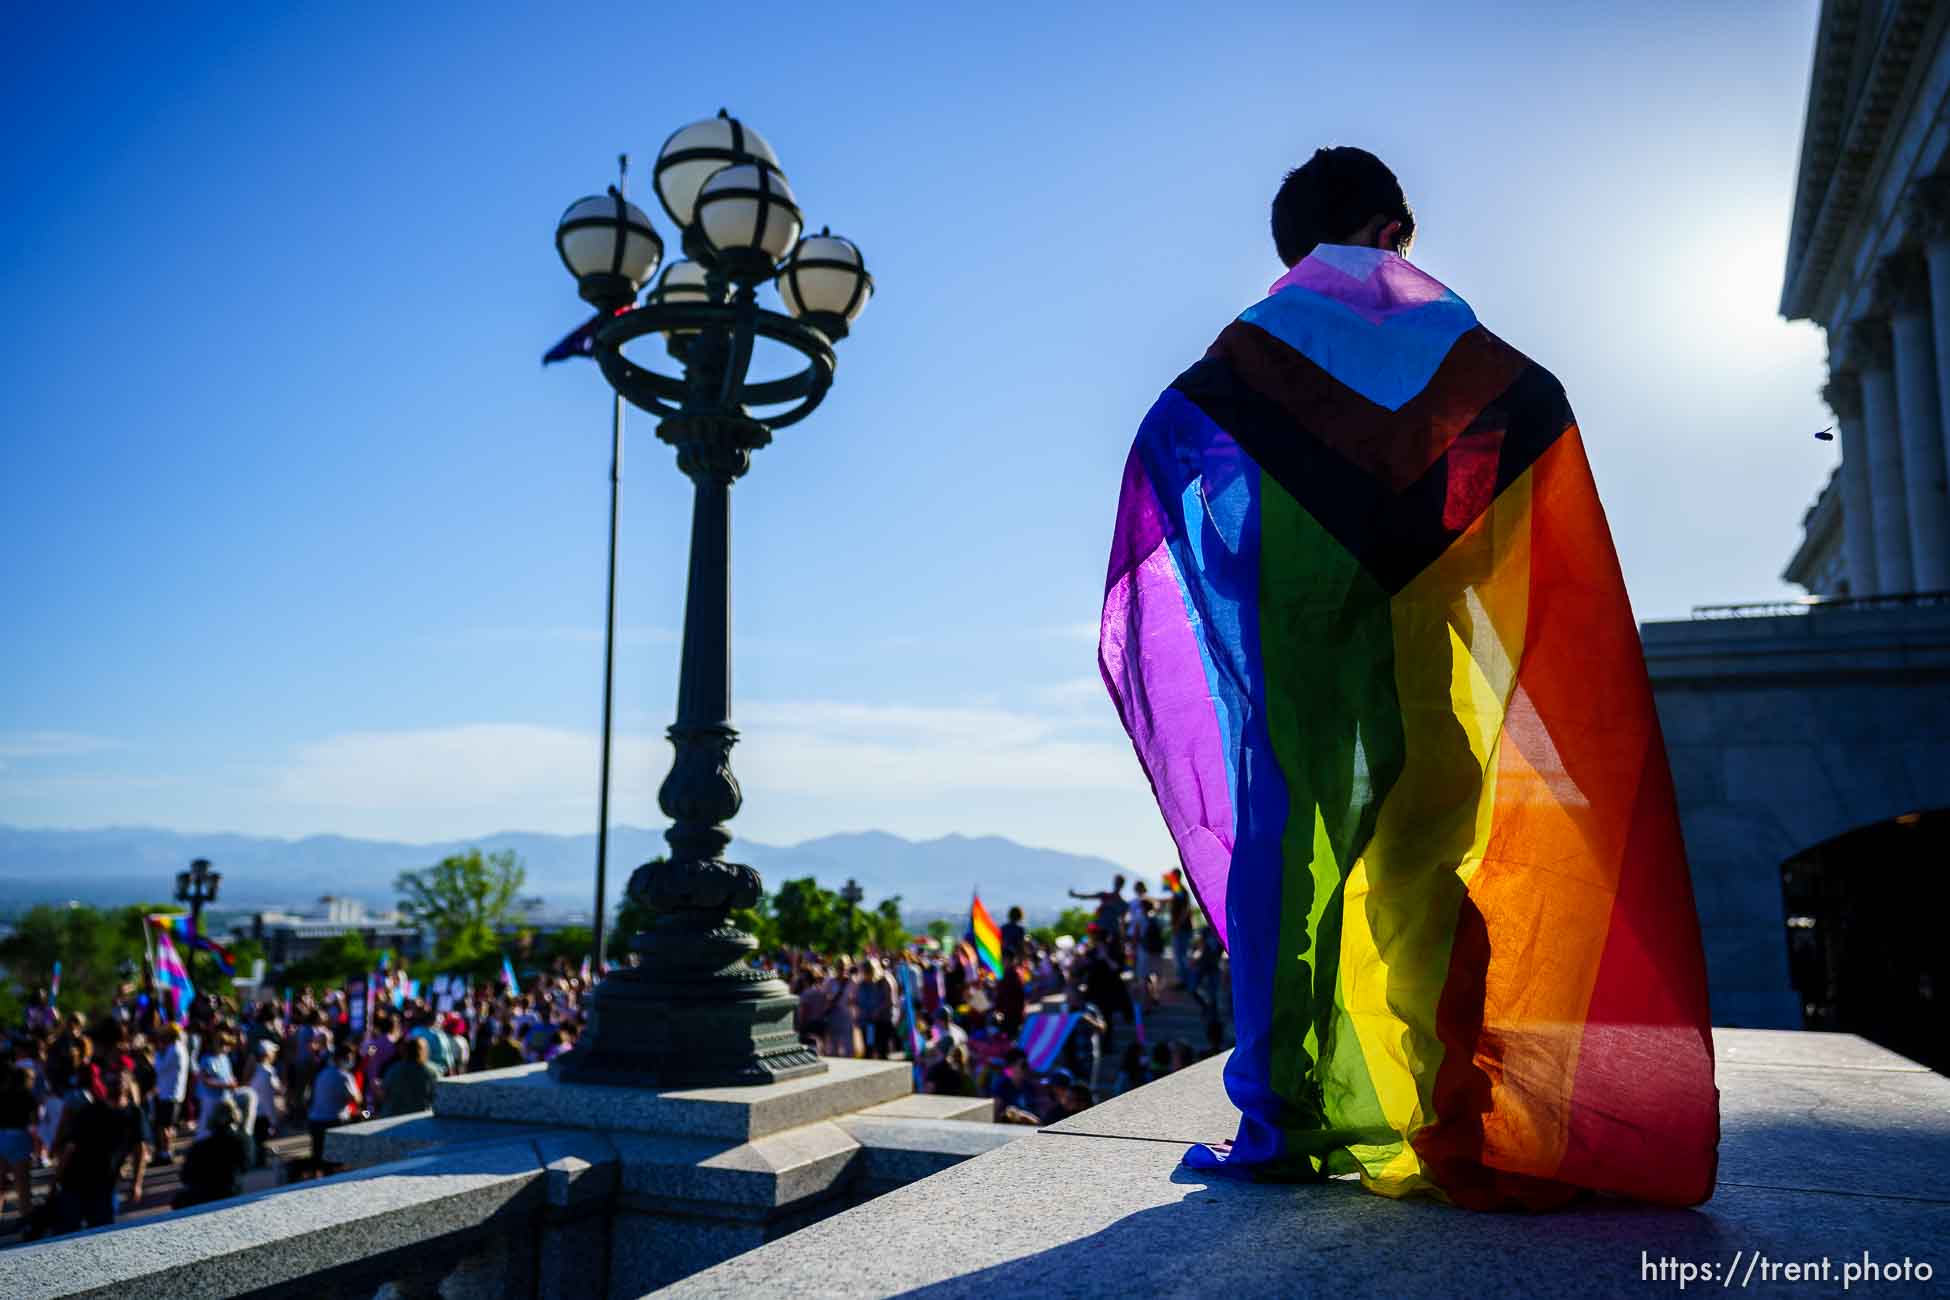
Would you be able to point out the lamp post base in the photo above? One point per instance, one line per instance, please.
(643, 1037)
(693, 1015)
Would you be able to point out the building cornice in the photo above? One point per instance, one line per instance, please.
(1842, 138)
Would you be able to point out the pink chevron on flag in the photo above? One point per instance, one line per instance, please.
(1043, 1036)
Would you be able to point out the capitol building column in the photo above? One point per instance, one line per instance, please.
(1929, 216)
(1903, 289)
(1843, 394)
(1869, 347)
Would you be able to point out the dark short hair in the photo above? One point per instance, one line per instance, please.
(1328, 198)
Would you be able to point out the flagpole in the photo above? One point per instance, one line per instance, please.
(609, 644)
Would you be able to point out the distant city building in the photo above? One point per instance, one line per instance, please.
(538, 916)
(1869, 261)
(293, 936)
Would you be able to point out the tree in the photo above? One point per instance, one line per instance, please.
(759, 922)
(941, 930)
(338, 959)
(464, 899)
(571, 944)
(808, 916)
(883, 927)
(94, 946)
(1073, 921)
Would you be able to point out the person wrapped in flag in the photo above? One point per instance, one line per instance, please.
(1366, 628)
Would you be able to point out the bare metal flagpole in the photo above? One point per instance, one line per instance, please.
(609, 643)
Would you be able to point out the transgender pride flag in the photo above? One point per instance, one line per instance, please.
(172, 978)
(1043, 1036)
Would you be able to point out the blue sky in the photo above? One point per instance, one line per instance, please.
(299, 537)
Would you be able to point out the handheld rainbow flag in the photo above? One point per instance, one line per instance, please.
(987, 936)
(508, 974)
(54, 984)
(585, 970)
(172, 979)
(1173, 881)
(1367, 631)
(1043, 1036)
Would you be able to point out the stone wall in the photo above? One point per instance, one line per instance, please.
(1784, 733)
(482, 1222)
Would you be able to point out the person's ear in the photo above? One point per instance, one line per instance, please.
(1389, 237)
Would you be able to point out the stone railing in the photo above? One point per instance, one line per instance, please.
(492, 1220)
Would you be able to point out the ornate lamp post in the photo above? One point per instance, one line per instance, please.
(196, 887)
(851, 894)
(694, 1012)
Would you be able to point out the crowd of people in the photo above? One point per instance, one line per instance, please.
(102, 1100)
(966, 1027)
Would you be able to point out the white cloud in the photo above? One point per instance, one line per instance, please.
(1056, 772)
(816, 747)
(523, 772)
(807, 767)
(52, 744)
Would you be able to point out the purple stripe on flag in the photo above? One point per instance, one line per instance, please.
(1149, 655)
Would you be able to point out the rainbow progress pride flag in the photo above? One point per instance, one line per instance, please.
(986, 935)
(1366, 628)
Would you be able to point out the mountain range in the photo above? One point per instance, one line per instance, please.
(933, 877)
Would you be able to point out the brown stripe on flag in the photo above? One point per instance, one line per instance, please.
(1396, 447)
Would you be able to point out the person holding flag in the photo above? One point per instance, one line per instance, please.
(172, 980)
(177, 926)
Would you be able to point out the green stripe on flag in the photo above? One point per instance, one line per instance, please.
(1336, 730)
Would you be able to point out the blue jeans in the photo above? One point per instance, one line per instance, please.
(1181, 956)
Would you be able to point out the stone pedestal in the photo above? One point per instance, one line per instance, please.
(655, 1184)
(527, 1095)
